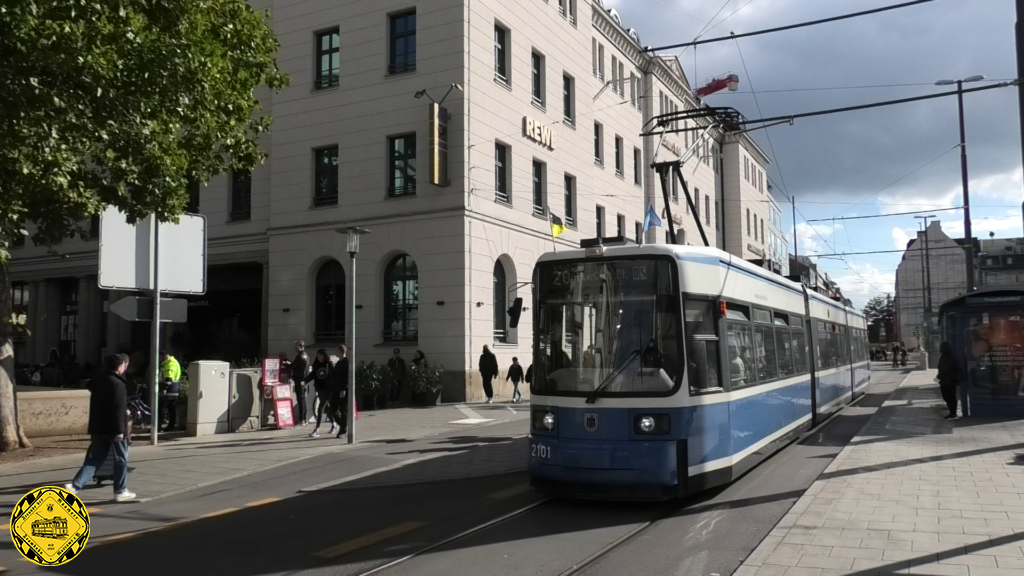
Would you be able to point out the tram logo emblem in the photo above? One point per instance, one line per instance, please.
(50, 526)
(590, 422)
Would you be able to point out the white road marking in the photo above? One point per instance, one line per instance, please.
(471, 421)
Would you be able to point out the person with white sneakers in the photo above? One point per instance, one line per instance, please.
(515, 374)
(108, 428)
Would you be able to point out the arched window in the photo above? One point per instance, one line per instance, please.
(500, 325)
(329, 322)
(401, 300)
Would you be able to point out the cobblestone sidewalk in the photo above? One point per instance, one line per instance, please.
(912, 494)
(184, 464)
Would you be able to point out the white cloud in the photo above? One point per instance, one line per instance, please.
(814, 237)
(1004, 226)
(862, 282)
(900, 238)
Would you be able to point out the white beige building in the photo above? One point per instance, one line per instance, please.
(545, 120)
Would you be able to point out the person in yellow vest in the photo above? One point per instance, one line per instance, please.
(170, 386)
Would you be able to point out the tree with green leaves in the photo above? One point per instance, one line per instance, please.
(119, 103)
(878, 313)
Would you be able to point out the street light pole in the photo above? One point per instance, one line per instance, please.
(968, 237)
(927, 264)
(352, 248)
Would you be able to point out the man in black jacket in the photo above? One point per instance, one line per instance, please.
(339, 391)
(515, 374)
(488, 372)
(108, 427)
(300, 367)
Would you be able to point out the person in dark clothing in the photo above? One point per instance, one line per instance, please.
(322, 377)
(903, 355)
(895, 355)
(108, 428)
(418, 358)
(299, 370)
(948, 377)
(515, 374)
(488, 366)
(396, 375)
(339, 391)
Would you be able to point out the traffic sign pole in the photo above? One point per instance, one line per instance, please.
(154, 416)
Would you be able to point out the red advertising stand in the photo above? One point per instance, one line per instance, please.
(280, 394)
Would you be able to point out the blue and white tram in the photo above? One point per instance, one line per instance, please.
(662, 370)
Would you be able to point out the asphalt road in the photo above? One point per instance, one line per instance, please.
(404, 496)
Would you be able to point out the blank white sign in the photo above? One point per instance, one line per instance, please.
(126, 253)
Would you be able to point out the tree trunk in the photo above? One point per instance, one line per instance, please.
(12, 436)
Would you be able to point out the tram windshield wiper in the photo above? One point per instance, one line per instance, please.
(592, 397)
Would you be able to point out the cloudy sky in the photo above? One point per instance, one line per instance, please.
(882, 161)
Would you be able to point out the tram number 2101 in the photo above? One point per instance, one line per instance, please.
(540, 451)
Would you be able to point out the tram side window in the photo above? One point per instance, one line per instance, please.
(783, 346)
(843, 345)
(764, 346)
(827, 355)
(741, 347)
(701, 346)
(799, 339)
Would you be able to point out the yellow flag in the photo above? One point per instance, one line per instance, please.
(557, 227)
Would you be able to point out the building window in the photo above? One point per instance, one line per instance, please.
(707, 210)
(599, 220)
(637, 230)
(329, 322)
(403, 43)
(620, 161)
(598, 144)
(762, 230)
(501, 71)
(94, 228)
(568, 6)
(620, 226)
(600, 62)
(568, 100)
(622, 80)
(632, 90)
(570, 201)
(401, 300)
(696, 204)
(593, 56)
(637, 166)
(241, 195)
(675, 192)
(615, 75)
(538, 188)
(748, 222)
(327, 58)
(402, 152)
(193, 199)
(537, 62)
(67, 344)
(325, 176)
(500, 326)
(19, 311)
(718, 218)
(501, 173)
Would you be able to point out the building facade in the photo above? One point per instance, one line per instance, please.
(546, 101)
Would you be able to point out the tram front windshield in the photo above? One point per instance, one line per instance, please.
(607, 325)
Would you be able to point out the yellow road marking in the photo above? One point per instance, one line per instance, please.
(369, 539)
(509, 492)
(220, 512)
(262, 502)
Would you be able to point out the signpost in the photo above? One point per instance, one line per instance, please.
(130, 258)
(140, 309)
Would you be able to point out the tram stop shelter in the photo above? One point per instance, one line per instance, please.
(986, 330)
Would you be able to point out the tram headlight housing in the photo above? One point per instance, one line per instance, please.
(652, 424)
(543, 420)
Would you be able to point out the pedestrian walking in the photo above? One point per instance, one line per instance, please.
(108, 428)
(300, 368)
(322, 376)
(418, 358)
(170, 387)
(948, 377)
(903, 354)
(488, 366)
(396, 376)
(895, 354)
(338, 403)
(515, 374)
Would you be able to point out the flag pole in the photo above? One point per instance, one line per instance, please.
(551, 229)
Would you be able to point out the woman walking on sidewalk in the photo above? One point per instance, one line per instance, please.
(947, 378)
(322, 375)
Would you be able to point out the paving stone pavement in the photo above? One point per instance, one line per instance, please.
(911, 494)
(184, 464)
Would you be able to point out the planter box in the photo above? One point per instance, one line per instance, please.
(426, 398)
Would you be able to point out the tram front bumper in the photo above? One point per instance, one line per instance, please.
(606, 463)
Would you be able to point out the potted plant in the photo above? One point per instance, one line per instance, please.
(426, 383)
(370, 378)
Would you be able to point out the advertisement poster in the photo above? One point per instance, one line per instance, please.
(271, 375)
(284, 413)
(997, 345)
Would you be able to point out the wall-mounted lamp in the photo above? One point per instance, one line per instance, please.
(479, 304)
(286, 310)
(359, 306)
(440, 302)
(421, 93)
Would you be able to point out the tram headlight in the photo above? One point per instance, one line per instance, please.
(652, 424)
(543, 420)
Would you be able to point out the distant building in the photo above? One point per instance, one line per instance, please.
(932, 270)
(802, 269)
(1000, 262)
